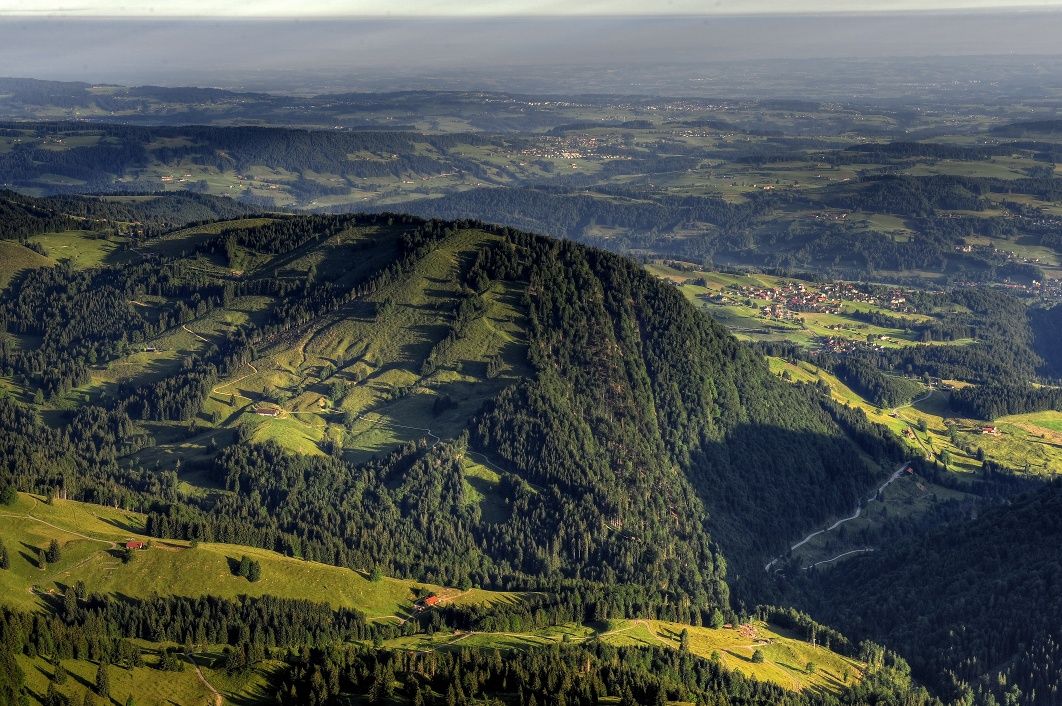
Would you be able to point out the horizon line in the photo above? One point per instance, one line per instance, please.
(972, 10)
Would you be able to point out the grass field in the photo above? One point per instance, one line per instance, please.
(147, 685)
(15, 258)
(89, 535)
(785, 657)
(83, 248)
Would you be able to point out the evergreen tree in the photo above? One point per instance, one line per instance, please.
(59, 674)
(53, 554)
(103, 683)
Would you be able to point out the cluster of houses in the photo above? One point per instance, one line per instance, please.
(838, 344)
(1047, 289)
(794, 296)
(573, 147)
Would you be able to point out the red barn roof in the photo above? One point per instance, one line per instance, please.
(134, 544)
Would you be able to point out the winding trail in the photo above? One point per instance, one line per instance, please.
(858, 511)
(61, 529)
(205, 340)
(254, 371)
(382, 418)
(486, 460)
(218, 700)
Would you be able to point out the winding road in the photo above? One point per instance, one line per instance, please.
(839, 556)
(858, 511)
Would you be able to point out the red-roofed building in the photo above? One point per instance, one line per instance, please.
(135, 544)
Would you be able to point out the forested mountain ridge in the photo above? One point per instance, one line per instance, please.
(448, 402)
(635, 437)
(144, 214)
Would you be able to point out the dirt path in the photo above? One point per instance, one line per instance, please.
(218, 700)
(254, 371)
(205, 340)
(911, 425)
(428, 431)
(486, 460)
(858, 511)
(381, 418)
(61, 529)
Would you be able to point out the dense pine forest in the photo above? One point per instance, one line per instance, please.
(957, 602)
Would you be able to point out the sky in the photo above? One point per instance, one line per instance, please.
(479, 8)
(186, 45)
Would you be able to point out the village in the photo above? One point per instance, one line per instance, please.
(574, 147)
(792, 297)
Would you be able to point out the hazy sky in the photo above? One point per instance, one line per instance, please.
(261, 8)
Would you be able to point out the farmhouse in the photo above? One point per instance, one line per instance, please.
(426, 602)
(267, 411)
(990, 429)
(135, 544)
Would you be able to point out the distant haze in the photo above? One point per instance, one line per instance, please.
(466, 8)
(236, 52)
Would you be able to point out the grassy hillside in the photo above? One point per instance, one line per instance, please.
(1025, 443)
(785, 658)
(90, 536)
(149, 685)
(15, 258)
